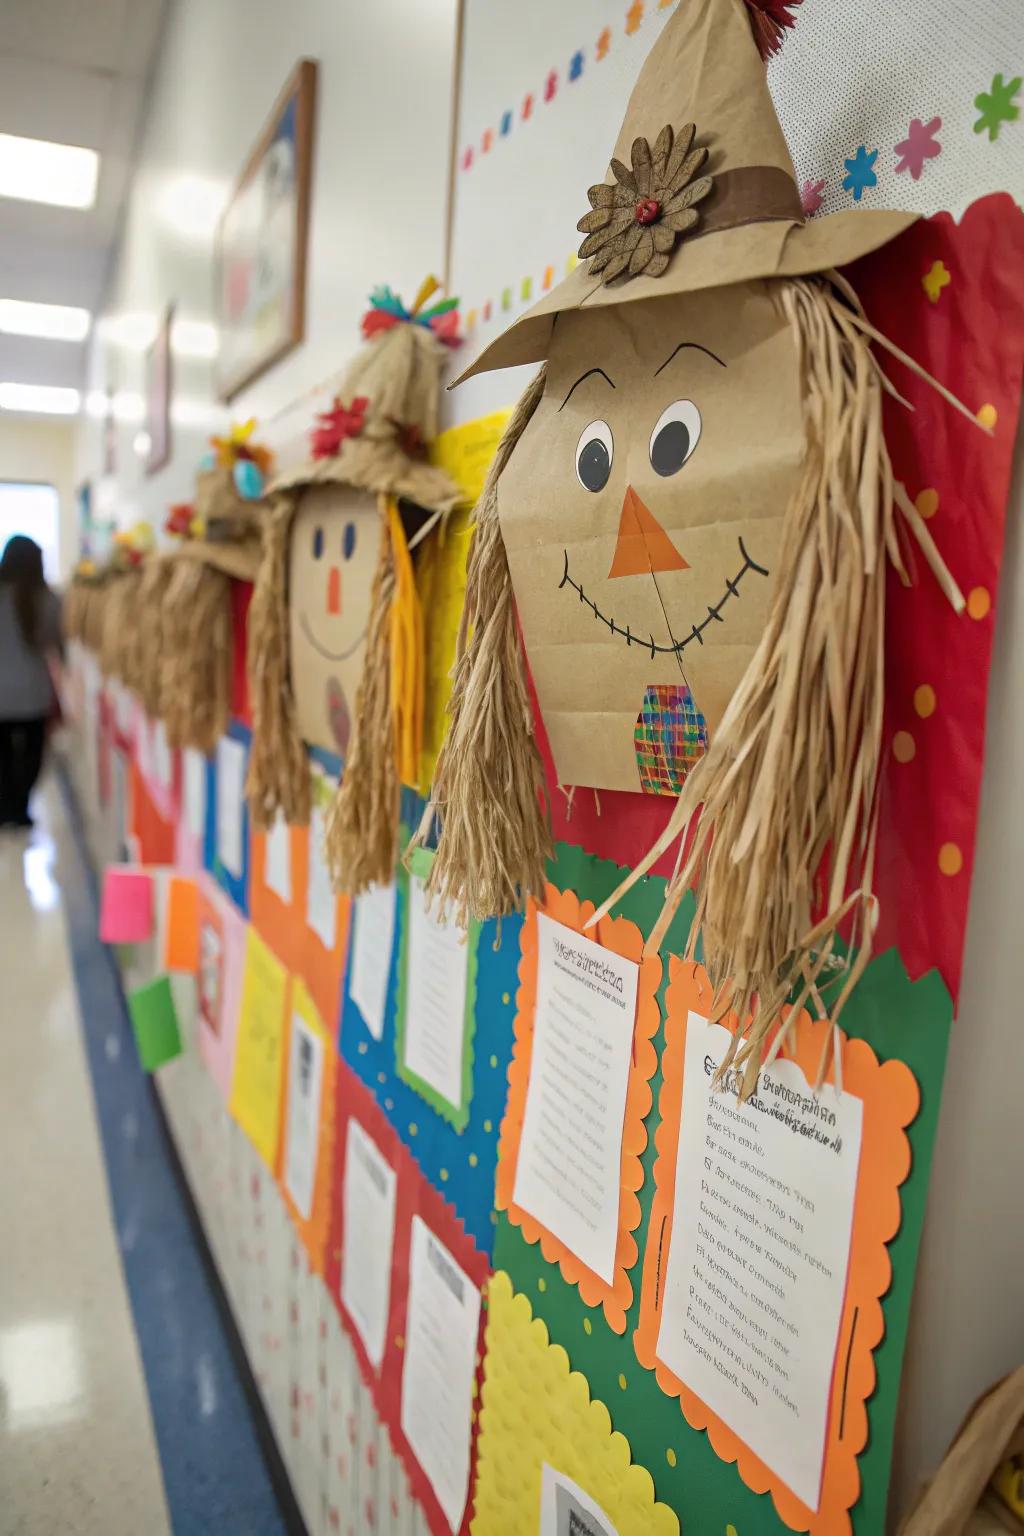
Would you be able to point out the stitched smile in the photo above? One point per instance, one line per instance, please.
(322, 649)
(697, 630)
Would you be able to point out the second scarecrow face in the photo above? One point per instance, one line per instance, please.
(335, 542)
(642, 516)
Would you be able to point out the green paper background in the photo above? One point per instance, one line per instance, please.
(898, 1018)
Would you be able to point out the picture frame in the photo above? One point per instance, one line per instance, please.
(262, 240)
(158, 394)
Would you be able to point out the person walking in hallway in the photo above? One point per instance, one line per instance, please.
(30, 638)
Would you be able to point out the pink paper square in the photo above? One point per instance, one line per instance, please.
(126, 909)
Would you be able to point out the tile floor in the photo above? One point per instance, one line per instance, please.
(121, 1409)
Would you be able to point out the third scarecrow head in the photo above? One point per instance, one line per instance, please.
(690, 510)
(335, 653)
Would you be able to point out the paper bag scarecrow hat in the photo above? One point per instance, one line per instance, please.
(117, 615)
(335, 632)
(216, 540)
(690, 511)
(225, 527)
(701, 191)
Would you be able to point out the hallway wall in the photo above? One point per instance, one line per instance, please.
(36, 450)
(220, 68)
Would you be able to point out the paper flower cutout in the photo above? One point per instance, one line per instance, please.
(860, 172)
(919, 145)
(337, 424)
(997, 106)
(935, 279)
(768, 21)
(812, 195)
(178, 520)
(635, 221)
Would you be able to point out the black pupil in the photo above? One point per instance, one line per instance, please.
(670, 447)
(594, 465)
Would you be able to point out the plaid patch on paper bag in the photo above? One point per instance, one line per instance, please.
(669, 737)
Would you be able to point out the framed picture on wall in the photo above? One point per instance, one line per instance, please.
(262, 239)
(158, 395)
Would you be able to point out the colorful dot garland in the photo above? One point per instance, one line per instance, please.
(996, 107)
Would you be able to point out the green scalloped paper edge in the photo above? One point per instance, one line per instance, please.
(887, 1010)
(419, 863)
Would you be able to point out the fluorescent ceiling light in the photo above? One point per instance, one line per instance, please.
(57, 322)
(41, 172)
(47, 399)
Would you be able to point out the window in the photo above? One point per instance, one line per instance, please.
(34, 510)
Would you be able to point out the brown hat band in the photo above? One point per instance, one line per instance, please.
(750, 194)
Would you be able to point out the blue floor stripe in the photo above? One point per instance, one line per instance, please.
(220, 1469)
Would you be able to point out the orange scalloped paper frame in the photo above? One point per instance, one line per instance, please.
(624, 938)
(891, 1100)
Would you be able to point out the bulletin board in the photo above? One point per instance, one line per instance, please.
(378, 1110)
(913, 107)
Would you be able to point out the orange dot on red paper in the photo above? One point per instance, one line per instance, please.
(988, 416)
(924, 700)
(903, 747)
(927, 502)
(978, 602)
(951, 860)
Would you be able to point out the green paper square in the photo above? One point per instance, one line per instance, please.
(456, 1114)
(155, 1023)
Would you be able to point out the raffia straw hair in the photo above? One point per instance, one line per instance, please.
(779, 818)
(91, 623)
(74, 609)
(150, 648)
(196, 683)
(489, 783)
(362, 828)
(278, 777)
(120, 617)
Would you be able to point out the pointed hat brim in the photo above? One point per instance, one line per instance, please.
(238, 558)
(705, 68)
(734, 256)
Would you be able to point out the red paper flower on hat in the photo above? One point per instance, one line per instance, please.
(335, 425)
(179, 518)
(768, 20)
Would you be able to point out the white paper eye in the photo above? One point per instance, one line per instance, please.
(594, 453)
(675, 436)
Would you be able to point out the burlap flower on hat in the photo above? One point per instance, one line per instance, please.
(636, 220)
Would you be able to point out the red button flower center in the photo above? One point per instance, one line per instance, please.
(647, 210)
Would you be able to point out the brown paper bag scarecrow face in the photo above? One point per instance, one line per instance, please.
(642, 516)
(335, 543)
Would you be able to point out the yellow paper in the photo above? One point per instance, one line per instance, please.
(259, 1050)
(537, 1411)
(466, 453)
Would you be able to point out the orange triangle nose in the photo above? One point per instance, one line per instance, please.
(643, 545)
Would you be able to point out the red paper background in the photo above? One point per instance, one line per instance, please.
(241, 597)
(972, 340)
(414, 1196)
